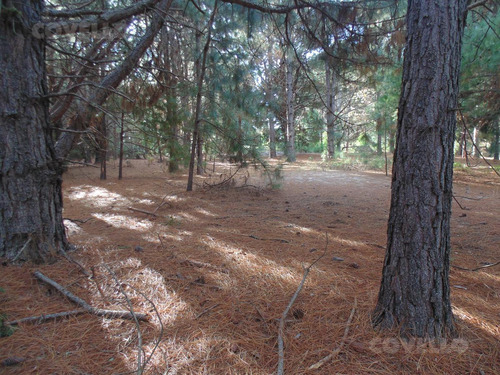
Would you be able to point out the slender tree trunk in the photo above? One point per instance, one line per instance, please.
(197, 117)
(330, 110)
(269, 98)
(31, 225)
(475, 139)
(199, 152)
(496, 140)
(122, 133)
(103, 145)
(272, 139)
(415, 292)
(290, 115)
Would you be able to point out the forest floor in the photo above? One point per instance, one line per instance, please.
(215, 269)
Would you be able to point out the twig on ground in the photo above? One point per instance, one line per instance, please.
(206, 310)
(71, 260)
(268, 239)
(140, 366)
(459, 205)
(282, 321)
(110, 314)
(77, 220)
(321, 362)
(142, 211)
(43, 318)
(477, 268)
(162, 203)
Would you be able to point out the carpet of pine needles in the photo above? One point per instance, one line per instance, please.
(215, 269)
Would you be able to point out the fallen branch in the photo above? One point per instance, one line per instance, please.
(142, 211)
(77, 220)
(282, 321)
(43, 318)
(268, 239)
(477, 268)
(110, 314)
(321, 362)
(206, 310)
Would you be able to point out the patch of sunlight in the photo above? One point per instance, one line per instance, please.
(336, 239)
(72, 228)
(145, 201)
(100, 197)
(204, 212)
(150, 237)
(477, 321)
(145, 287)
(121, 221)
(172, 237)
(252, 263)
(298, 227)
(190, 217)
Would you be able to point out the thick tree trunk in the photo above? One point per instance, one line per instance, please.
(415, 293)
(31, 225)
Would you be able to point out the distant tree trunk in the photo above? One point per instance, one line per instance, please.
(122, 133)
(379, 135)
(103, 145)
(475, 139)
(496, 140)
(415, 292)
(31, 224)
(330, 110)
(199, 154)
(290, 115)
(272, 139)
(269, 98)
(197, 117)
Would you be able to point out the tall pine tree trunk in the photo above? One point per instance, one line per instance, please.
(31, 224)
(415, 290)
(290, 115)
(330, 110)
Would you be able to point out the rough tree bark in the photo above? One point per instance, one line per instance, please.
(31, 224)
(331, 107)
(290, 113)
(415, 293)
(197, 116)
(30, 174)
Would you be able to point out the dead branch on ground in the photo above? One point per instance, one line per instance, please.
(142, 211)
(282, 321)
(477, 268)
(43, 318)
(110, 314)
(321, 362)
